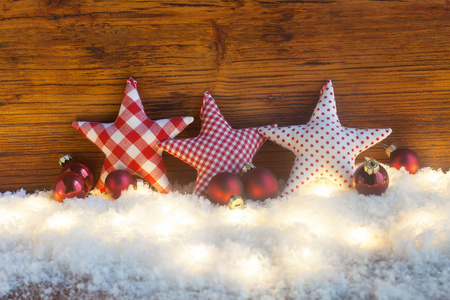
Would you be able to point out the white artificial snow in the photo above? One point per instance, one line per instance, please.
(327, 243)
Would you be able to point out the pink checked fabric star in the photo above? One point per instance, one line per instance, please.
(218, 148)
(130, 142)
(323, 147)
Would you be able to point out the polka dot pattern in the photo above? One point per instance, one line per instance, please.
(323, 147)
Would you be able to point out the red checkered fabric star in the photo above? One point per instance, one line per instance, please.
(218, 148)
(323, 147)
(130, 142)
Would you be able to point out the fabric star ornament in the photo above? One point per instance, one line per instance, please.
(130, 142)
(323, 147)
(218, 148)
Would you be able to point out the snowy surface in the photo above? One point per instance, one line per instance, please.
(327, 243)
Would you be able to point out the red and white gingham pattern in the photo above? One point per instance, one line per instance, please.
(218, 148)
(130, 142)
(323, 147)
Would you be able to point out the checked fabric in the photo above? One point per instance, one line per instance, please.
(323, 147)
(130, 142)
(218, 148)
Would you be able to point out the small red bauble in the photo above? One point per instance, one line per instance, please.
(226, 188)
(371, 178)
(403, 158)
(118, 181)
(259, 183)
(69, 185)
(68, 165)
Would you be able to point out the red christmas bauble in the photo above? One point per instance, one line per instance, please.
(118, 181)
(82, 170)
(223, 186)
(68, 165)
(260, 184)
(403, 158)
(371, 178)
(69, 185)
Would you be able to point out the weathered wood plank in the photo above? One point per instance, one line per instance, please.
(263, 61)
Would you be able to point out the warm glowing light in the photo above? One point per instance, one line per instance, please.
(168, 224)
(317, 230)
(254, 269)
(118, 221)
(251, 266)
(8, 217)
(182, 218)
(423, 218)
(239, 216)
(37, 204)
(433, 178)
(365, 237)
(360, 235)
(322, 189)
(196, 258)
(164, 229)
(317, 225)
(304, 260)
(198, 253)
(306, 252)
(122, 224)
(419, 221)
(166, 208)
(60, 222)
(314, 225)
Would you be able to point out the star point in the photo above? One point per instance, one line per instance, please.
(129, 143)
(218, 148)
(323, 147)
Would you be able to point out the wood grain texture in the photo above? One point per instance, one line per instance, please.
(263, 61)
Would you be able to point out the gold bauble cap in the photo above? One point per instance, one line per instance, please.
(247, 168)
(390, 149)
(235, 202)
(64, 159)
(371, 166)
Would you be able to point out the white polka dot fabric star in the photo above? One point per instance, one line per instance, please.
(323, 147)
(218, 148)
(130, 142)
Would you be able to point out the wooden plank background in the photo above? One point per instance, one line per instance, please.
(263, 61)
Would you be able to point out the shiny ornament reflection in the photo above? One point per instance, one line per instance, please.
(69, 165)
(118, 181)
(223, 187)
(259, 183)
(371, 178)
(81, 170)
(69, 185)
(403, 158)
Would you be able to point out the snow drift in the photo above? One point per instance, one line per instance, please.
(326, 243)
